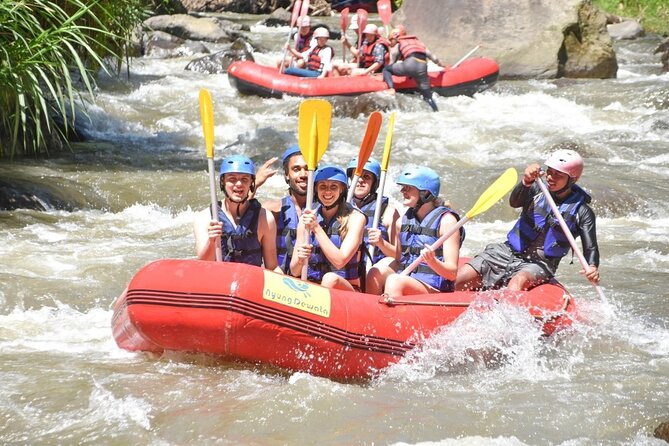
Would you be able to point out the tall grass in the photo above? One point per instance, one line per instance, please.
(652, 14)
(49, 51)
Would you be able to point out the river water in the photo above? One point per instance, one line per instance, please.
(143, 176)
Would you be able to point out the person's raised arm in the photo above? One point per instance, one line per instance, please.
(339, 257)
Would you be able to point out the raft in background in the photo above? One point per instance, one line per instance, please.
(471, 76)
(240, 312)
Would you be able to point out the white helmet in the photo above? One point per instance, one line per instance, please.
(304, 21)
(321, 32)
(370, 29)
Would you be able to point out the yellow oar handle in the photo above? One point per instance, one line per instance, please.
(207, 116)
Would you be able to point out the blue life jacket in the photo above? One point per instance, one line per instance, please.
(368, 209)
(414, 235)
(538, 217)
(286, 232)
(240, 244)
(318, 263)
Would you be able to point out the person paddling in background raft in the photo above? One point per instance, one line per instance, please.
(317, 58)
(374, 54)
(335, 235)
(246, 231)
(287, 211)
(384, 237)
(411, 61)
(426, 219)
(536, 244)
(303, 39)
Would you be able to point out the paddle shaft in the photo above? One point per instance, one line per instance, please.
(293, 20)
(377, 214)
(309, 203)
(440, 241)
(567, 233)
(351, 188)
(465, 57)
(214, 204)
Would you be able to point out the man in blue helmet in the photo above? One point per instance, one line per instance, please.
(247, 231)
(383, 238)
(288, 209)
(332, 251)
(426, 219)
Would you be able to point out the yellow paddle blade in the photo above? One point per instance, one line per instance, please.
(207, 117)
(369, 140)
(313, 130)
(495, 192)
(389, 143)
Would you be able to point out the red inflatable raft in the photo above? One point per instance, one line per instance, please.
(471, 76)
(242, 312)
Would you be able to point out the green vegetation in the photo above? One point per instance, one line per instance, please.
(49, 52)
(652, 14)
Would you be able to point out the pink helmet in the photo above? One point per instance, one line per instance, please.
(566, 161)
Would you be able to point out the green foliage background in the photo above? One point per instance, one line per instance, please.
(49, 52)
(652, 14)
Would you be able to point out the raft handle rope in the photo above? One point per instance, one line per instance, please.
(391, 302)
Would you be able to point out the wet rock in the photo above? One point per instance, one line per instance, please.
(43, 194)
(628, 29)
(187, 27)
(220, 61)
(587, 50)
(662, 431)
(241, 6)
(163, 45)
(663, 49)
(523, 37)
(280, 17)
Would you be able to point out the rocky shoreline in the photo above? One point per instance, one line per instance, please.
(570, 39)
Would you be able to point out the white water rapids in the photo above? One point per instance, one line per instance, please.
(487, 379)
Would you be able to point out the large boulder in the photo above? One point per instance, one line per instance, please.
(528, 39)
(187, 27)
(220, 61)
(242, 6)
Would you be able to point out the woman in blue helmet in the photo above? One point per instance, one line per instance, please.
(246, 231)
(383, 238)
(426, 219)
(335, 234)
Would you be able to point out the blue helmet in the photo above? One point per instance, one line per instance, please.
(290, 151)
(371, 165)
(332, 173)
(422, 178)
(238, 164)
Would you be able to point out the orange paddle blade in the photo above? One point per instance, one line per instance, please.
(369, 140)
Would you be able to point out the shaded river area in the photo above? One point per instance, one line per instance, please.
(135, 186)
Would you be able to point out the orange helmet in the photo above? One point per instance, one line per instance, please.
(398, 31)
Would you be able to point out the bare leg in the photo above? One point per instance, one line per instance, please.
(335, 281)
(522, 281)
(467, 279)
(377, 275)
(398, 285)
